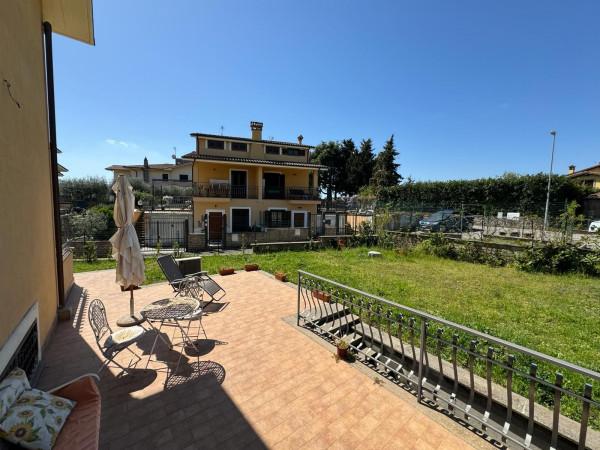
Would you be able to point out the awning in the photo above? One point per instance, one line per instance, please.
(71, 18)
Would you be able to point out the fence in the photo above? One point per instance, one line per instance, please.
(515, 395)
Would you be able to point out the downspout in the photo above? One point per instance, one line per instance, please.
(54, 162)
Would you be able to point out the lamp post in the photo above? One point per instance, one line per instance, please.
(553, 133)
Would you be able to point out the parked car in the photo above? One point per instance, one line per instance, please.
(594, 226)
(445, 221)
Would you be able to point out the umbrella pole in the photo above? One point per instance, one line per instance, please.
(131, 302)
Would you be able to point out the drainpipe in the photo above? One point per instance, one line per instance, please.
(54, 162)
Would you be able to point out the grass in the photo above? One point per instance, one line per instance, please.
(555, 314)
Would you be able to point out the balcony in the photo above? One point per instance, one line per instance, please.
(229, 191)
(291, 193)
(224, 190)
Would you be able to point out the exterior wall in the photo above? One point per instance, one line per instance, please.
(205, 171)
(257, 207)
(28, 275)
(589, 180)
(256, 151)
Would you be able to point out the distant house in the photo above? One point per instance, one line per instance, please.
(151, 173)
(589, 176)
(243, 184)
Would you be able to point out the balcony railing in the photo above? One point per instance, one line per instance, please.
(227, 190)
(224, 190)
(291, 193)
(512, 394)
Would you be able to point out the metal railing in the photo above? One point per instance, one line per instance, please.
(225, 190)
(517, 396)
(291, 193)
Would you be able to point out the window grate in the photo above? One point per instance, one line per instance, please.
(27, 355)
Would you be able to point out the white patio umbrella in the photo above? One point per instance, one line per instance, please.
(126, 247)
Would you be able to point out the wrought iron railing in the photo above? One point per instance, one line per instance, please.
(225, 190)
(291, 193)
(517, 396)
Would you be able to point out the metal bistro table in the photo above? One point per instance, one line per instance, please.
(170, 310)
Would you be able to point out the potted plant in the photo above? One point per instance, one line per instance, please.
(281, 276)
(342, 346)
(322, 295)
(250, 267)
(226, 271)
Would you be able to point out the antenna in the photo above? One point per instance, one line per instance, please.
(174, 155)
(222, 128)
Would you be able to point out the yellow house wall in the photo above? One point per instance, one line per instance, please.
(256, 151)
(206, 171)
(201, 206)
(28, 274)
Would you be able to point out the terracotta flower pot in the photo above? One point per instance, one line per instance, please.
(226, 271)
(281, 276)
(250, 267)
(324, 296)
(342, 353)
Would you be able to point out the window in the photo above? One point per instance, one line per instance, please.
(239, 146)
(184, 177)
(278, 218)
(292, 151)
(215, 145)
(165, 176)
(299, 219)
(240, 219)
(271, 150)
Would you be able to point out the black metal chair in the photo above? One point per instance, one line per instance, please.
(181, 284)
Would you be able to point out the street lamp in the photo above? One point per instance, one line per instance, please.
(553, 133)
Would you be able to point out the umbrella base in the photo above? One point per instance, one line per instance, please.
(129, 320)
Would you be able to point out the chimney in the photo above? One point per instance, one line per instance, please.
(300, 137)
(256, 128)
(571, 169)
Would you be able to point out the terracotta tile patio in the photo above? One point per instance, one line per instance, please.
(257, 382)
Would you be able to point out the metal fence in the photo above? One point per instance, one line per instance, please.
(512, 394)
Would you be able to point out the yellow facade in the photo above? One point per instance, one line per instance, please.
(28, 274)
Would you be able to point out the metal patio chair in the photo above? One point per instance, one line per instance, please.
(111, 343)
(193, 284)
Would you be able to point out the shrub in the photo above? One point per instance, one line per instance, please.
(89, 251)
(559, 257)
(439, 245)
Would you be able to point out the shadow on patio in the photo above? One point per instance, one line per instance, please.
(256, 382)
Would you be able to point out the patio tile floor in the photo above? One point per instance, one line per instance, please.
(257, 382)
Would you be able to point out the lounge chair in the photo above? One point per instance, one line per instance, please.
(191, 284)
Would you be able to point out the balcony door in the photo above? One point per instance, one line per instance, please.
(274, 185)
(239, 184)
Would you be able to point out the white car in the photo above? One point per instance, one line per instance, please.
(594, 226)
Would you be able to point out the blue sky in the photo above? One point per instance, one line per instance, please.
(468, 88)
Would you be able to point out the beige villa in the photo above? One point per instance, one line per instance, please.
(590, 176)
(252, 184)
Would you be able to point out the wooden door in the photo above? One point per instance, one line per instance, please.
(215, 226)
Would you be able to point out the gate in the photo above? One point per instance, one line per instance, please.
(168, 230)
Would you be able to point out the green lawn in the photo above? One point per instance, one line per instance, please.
(555, 314)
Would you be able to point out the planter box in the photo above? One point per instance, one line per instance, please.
(226, 271)
(250, 267)
(324, 296)
(281, 276)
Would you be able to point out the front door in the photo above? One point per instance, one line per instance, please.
(239, 180)
(215, 226)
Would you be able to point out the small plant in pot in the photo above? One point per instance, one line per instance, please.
(342, 347)
(321, 295)
(250, 267)
(281, 276)
(226, 271)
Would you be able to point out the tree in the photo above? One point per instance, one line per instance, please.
(348, 155)
(360, 169)
(385, 171)
(329, 154)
